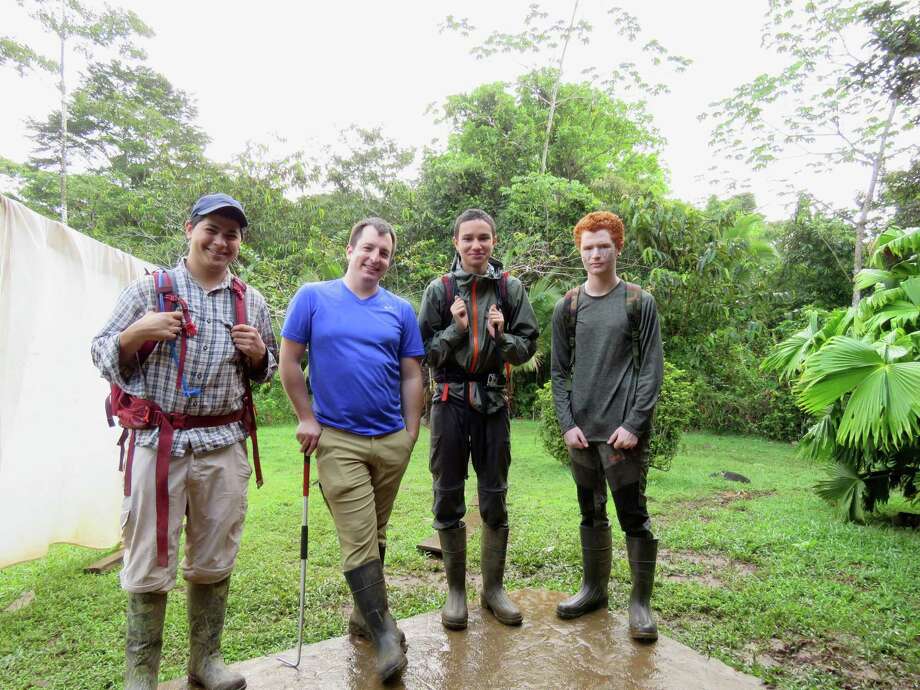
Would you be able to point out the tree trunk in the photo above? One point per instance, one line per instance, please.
(552, 101)
(63, 89)
(870, 198)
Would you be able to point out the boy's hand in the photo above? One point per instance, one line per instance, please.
(458, 310)
(496, 323)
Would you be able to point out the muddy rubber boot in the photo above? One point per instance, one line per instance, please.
(494, 598)
(454, 615)
(370, 592)
(642, 554)
(595, 558)
(207, 607)
(356, 624)
(144, 639)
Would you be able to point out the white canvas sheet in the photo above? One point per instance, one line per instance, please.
(59, 480)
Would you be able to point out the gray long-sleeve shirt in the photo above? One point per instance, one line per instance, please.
(601, 396)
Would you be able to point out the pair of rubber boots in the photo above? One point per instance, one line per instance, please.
(596, 554)
(454, 615)
(207, 607)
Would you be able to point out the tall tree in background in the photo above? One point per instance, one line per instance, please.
(125, 122)
(77, 26)
(842, 111)
(544, 36)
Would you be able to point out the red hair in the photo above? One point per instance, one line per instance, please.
(600, 220)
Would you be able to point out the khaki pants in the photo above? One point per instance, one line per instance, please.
(359, 477)
(211, 489)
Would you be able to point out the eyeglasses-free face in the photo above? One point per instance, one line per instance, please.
(598, 253)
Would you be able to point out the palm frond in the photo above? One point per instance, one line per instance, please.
(896, 242)
(911, 288)
(899, 313)
(846, 490)
(869, 277)
(884, 408)
(788, 356)
(820, 441)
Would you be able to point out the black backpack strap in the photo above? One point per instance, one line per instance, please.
(634, 313)
(570, 308)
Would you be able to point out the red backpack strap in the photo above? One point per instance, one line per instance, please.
(238, 287)
(449, 281)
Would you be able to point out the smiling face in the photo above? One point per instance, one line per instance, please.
(213, 244)
(598, 252)
(369, 257)
(474, 243)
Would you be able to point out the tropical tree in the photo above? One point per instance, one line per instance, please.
(831, 103)
(78, 27)
(857, 371)
(125, 121)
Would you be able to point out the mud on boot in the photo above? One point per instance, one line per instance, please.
(207, 608)
(494, 598)
(595, 558)
(370, 594)
(642, 554)
(144, 639)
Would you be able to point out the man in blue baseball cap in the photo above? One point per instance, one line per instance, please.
(180, 350)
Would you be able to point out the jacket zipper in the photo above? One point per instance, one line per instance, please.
(474, 327)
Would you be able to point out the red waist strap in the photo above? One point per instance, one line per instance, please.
(143, 414)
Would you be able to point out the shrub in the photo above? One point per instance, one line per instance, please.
(272, 406)
(672, 416)
(730, 394)
(550, 433)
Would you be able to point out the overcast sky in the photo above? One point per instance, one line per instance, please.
(303, 71)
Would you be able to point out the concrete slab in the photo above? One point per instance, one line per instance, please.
(545, 652)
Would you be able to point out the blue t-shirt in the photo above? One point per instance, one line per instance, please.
(355, 346)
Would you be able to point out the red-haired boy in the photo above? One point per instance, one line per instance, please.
(604, 399)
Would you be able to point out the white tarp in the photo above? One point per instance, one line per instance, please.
(59, 480)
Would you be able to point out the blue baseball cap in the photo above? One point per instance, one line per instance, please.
(210, 203)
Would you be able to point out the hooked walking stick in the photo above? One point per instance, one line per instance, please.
(304, 531)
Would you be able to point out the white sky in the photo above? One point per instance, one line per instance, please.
(303, 71)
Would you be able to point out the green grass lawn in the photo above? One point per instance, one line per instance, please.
(759, 575)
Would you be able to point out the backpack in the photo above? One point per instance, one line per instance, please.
(633, 297)
(125, 407)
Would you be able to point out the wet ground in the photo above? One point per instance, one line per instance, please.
(591, 652)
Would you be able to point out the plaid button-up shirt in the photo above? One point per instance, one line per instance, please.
(212, 362)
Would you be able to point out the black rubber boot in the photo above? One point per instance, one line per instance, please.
(595, 558)
(494, 598)
(207, 607)
(642, 554)
(370, 592)
(454, 615)
(356, 624)
(144, 639)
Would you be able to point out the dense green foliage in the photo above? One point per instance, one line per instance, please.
(857, 371)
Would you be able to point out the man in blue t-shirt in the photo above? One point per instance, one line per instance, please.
(366, 382)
